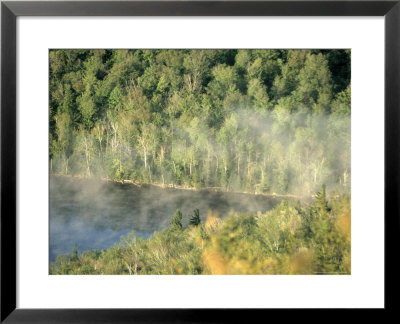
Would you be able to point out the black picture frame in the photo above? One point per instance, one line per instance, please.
(10, 10)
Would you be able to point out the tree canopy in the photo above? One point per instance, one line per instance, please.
(275, 121)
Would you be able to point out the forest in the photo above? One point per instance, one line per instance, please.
(260, 121)
(252, 121)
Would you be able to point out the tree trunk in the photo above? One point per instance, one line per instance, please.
(87, 154)
(225, 167)
(100, 140)
(145, 157)
(173, 162)
(66, 165)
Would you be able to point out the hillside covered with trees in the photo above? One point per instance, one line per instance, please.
(264, 121)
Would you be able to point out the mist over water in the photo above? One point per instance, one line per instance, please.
(94, 214)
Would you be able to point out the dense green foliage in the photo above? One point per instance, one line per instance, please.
(260, 121)
(290, 239)
(245, 120)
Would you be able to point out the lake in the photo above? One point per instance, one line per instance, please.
(94, 214)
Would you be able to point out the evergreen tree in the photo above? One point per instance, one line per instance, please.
(176, 221)
(321, 202)
(195, 219)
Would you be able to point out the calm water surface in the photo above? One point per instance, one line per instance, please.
(94, 214)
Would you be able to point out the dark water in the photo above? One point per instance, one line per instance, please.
(94, 214)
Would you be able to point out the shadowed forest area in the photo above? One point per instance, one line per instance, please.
(273, 122)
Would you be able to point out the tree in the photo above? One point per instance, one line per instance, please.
(287, 80)
(63, 146)
(115, 98)
(85, 149)
(259, 96)
(315, 87)
(320, 200)
(326, 240)
(147, 141)
(195, 219)
(342, 104)
(87, 109)
(176, 221)
(224, 81)
(196, 64)
(74, 254)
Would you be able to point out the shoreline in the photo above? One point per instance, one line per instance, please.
(177, 187)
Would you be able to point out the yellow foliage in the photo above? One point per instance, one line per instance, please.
(239, 260)
(212, 213)
(239, 266)
(344, 224)
(199, 241)
(212, 222)
(347, 263)
(342, 208)
(268, 266)
(300, 262)
(214, 262)
(193, 232)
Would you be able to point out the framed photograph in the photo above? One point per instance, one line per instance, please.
(196, 160)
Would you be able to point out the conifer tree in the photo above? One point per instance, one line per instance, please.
(195, 219)
(176, 221)
(320, 200)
